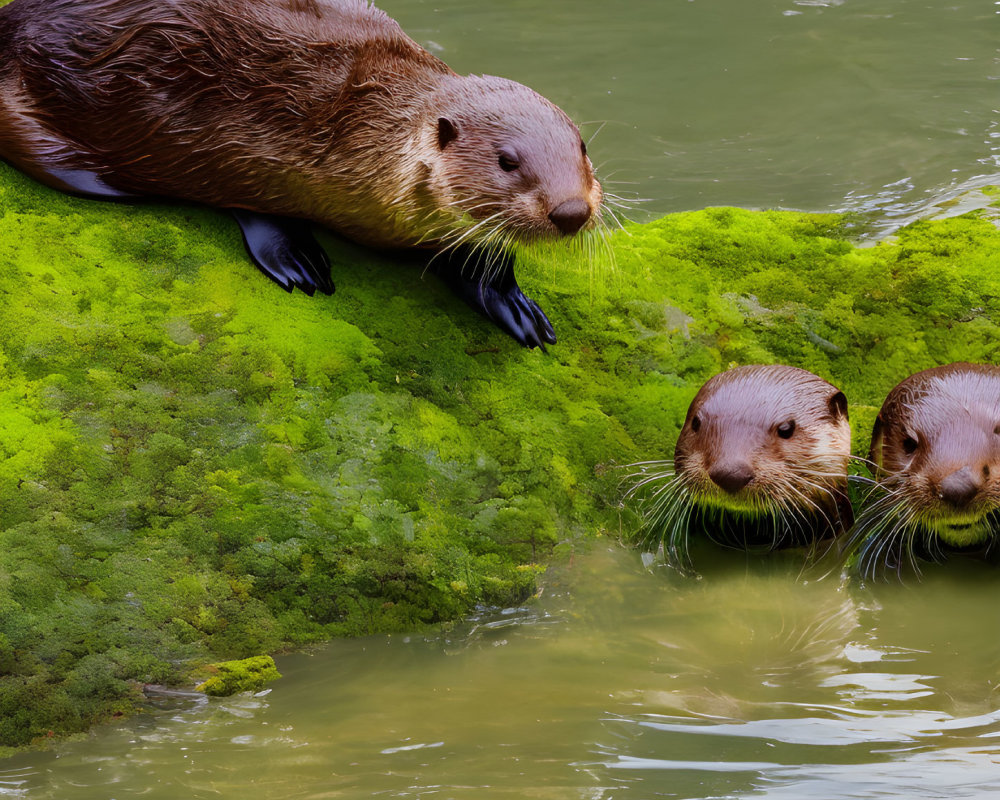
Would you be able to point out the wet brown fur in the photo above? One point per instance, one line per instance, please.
(731, 433)
(319, 109)
(936, 446)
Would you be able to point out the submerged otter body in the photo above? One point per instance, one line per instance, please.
(936, 452)
(292, 110)
(761, 460)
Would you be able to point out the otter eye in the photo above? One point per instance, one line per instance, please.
(583, 148)
(909, 445)
(996, 430)
(508, 162)
(695, 424)
(786, 429)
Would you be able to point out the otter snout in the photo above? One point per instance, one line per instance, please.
(731, 478)
(570, 215)
(959, 488)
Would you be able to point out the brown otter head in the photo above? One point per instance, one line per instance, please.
(768, 441)
(761, 460)
(936, 448)
(508, 165)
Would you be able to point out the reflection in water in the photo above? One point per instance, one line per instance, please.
(618, 682)
(13, 782)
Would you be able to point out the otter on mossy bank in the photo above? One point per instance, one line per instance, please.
(296, 111)
(761, 461)
(935, 451)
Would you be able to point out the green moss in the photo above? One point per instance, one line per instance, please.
(245, 675)
(195, 466)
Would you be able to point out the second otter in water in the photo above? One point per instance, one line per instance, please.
(936, 453)
(761, 460)
(292, 110)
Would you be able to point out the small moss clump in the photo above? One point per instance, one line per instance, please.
(246, 675)
(197, 467)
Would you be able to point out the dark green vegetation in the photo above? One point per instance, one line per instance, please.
(196, 466)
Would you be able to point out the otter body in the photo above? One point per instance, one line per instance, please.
(761, 460)
(936, 452)
(292, 110)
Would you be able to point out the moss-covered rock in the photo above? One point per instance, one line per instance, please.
(196, 466)
(246, 675)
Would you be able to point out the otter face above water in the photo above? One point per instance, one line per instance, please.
(295, 111)
(762, 439)
(510, 160)
(761, 459)
(936, 451)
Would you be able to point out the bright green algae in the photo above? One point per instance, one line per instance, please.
(246, 675)
(196, 466)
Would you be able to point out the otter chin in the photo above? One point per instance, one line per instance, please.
(761, 460)
(935, 451)
(292, 112)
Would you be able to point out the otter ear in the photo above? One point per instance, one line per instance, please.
(838, 406)
(447, 132)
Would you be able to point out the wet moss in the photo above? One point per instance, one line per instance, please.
(246, 675)
(196, 466)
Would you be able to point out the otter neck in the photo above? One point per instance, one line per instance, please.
(420, 198)
(393, 161)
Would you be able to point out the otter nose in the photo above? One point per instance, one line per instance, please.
(731, 477)
(959, 488)
(570, 216)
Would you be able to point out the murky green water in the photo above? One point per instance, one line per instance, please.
(621, 682)
(873, 105)
(616, 683)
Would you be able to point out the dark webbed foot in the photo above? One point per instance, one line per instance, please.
(84, 182)
(515, 313)
(284, 249)
(497, 295)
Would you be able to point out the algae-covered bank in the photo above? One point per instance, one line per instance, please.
(197, 467)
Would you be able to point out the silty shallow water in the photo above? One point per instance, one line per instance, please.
(618, 682)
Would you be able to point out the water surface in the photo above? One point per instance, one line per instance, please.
(886, 106)
(618, 682)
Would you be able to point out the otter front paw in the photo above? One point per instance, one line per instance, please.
(517, 314)
(496, 296)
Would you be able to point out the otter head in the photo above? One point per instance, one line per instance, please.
(767, 440)
(936, 447)
(508, 165)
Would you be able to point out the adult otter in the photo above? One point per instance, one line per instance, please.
(761, 460)
(936, 453)
(294, 110)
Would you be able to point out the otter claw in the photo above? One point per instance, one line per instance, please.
(505, 314)
(542, 323)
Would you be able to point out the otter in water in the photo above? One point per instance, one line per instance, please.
(936, 453)
(761, 460)
(296, 111)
